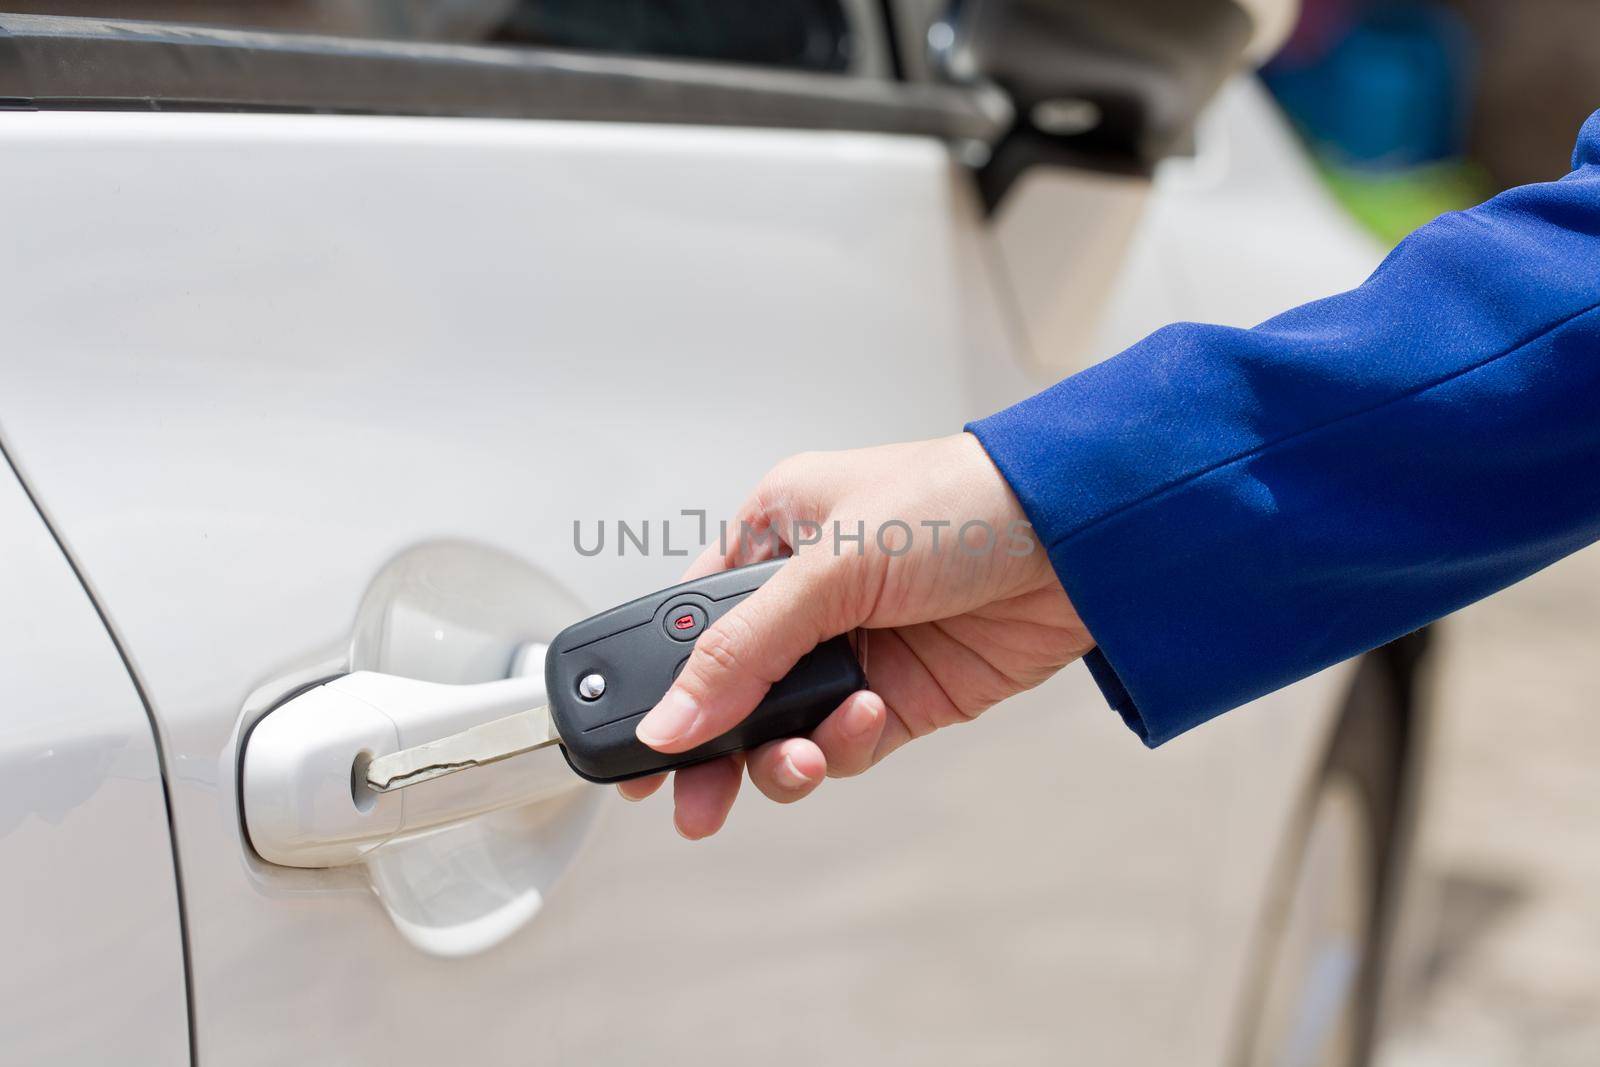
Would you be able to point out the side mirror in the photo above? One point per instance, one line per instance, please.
(1107, 85)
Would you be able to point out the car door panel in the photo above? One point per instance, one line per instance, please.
(94, 950)
(317, 342)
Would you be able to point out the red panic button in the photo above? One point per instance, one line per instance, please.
(683, 622)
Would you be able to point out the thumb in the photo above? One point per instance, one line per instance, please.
(742, 654)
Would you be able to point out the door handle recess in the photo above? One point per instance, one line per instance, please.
(303, 788)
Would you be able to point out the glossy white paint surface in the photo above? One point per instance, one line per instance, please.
(93, 964)
(255, 357)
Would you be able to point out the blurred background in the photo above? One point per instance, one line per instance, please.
(1411, 109)
(1414, 107)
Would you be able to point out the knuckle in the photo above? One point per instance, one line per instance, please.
(758, 509)
(793, 466)
(779, 479)
(722, 647)
(789, 480)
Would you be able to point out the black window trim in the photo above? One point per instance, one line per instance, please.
(74, 63)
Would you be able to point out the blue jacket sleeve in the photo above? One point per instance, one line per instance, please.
(1233, 510)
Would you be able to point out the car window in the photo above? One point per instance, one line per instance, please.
(813, 35)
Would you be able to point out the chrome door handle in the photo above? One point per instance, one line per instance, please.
(305, 798)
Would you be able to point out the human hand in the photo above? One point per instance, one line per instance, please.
(955, 628)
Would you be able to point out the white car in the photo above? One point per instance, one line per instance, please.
(317, 350)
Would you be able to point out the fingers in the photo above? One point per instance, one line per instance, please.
(711, 560)
(639, 788)
(796, 490)
(849, 737)
(739, 656)
(787, 770)
(844, 745)
(911, 696)
(703, 794)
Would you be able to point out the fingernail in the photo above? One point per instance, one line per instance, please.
(789, 774)
(861, 718)
(668, 720)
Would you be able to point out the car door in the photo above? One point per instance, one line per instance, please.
(312, 392)
(94, 951)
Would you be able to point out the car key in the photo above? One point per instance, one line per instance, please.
(604, 673)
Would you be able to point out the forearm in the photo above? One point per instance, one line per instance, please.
(1231, 510)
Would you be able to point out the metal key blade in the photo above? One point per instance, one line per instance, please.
(485, 743)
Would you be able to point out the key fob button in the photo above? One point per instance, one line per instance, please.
(684, 622)
(639, 648)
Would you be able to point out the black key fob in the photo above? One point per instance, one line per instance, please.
(602, 675)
